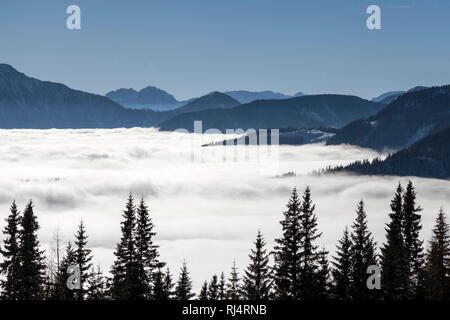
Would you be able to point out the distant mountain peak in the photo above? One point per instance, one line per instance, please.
(213, 93)
(148, 97)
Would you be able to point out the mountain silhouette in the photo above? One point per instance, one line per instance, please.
(301, 112)
(407, 119)
(30, 103)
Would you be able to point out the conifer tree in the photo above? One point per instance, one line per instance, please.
(213, 289)
(309, 254)
(393, 260)
(83, 259)
(323, 285)
(204, 292)
(342, 267)
(363, 255)
(96, 285)
(32, 269)
(127, 276)
(438, 260)
(162, 285)
(257, 277)
(68, 260)
(168, 285)
(158, 288)
(183, 290)
(287, 252)
(146, 250)
(413, 245)
(10, 265)
(222, 287)
(234, 289)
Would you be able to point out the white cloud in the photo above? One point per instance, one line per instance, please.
(207, 212)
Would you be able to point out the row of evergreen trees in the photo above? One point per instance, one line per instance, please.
(300, 269)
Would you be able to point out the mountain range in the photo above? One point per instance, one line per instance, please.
(30, 103)
(157, 99)
(301, 112)
(26, 102)
(407, 119)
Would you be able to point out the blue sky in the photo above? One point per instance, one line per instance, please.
(191, 47)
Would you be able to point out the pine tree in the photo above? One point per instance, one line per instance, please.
(234, 290)
(438, 260)
(162, 285)
(413, 245)
(10, 266)
(393, 260)
(204, 292)
(323, 285)
(257, 277)
(127, 277)
(67, 262)
(32, 269)
(309, 254)
(183, 290)
(158, 292)
(363, 255)
(83, 259)
(146, 250)
(222, 287)
(96, 285)
(287, 252)
(342, 267)
(213, 289)
(168, 285)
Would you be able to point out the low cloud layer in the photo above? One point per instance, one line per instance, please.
(207, 211)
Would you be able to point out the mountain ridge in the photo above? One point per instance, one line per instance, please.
(307, 112)
(26, 102)
(405, 120)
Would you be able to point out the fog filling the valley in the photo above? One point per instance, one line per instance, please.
(206, 211)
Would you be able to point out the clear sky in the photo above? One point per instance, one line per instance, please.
(191, 47)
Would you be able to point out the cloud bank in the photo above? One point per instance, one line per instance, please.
(206, 211)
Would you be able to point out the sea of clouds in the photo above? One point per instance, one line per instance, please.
(207, 203)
